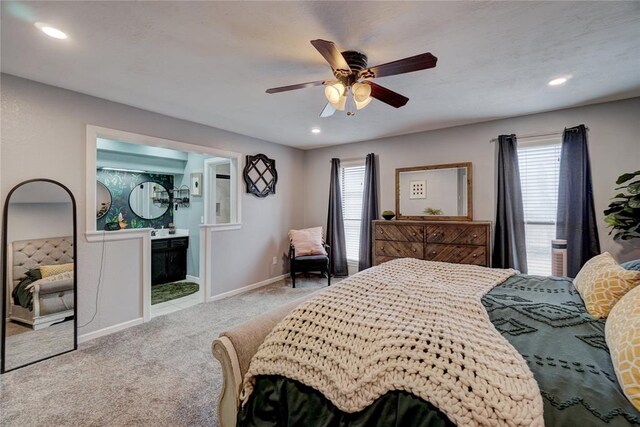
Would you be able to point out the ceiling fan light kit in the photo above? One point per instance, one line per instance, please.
(353, 90)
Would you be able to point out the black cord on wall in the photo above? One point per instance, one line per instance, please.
(99, 283)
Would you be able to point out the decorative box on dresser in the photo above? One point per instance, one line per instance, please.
(460, 242)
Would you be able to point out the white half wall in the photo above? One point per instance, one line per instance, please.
(43, 135)
(614, 144)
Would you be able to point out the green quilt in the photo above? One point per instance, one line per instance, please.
(542, 317)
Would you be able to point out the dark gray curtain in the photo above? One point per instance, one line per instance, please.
(369, 212)
(509, 248)
(576, 221)
(335, 224)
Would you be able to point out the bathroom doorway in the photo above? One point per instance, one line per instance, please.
(162, 192)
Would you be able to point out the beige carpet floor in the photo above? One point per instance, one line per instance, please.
(22, 349)
(160, 373)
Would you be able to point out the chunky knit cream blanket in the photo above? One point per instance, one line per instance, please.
(409, 325)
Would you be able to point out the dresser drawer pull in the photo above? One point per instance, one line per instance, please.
(413, 234)
(474, 236)
(382, 248)
(433, 252)
(414, 250)
(381, 231)
(475, 255)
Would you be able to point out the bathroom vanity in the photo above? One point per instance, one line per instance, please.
(169, 256)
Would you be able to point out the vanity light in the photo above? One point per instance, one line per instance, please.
(315, 130)
(50, 31)
(558, 81)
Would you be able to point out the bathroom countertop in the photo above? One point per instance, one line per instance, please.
(164, 234)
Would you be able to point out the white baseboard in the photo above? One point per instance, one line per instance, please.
(109, 330)
(247, 288)
(124, 325)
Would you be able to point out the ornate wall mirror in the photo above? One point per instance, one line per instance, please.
(39, 276)
(260, 175)
(435, 193)
(149, 200)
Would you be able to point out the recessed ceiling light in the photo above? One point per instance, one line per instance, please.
(50, 31)
(315, 130)
(558, 81)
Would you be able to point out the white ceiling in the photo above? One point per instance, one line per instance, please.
(210, 62)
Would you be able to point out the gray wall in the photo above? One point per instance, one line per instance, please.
(614, 143)
(29, 221)
(43, 135)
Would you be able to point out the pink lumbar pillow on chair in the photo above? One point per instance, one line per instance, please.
(307, 241)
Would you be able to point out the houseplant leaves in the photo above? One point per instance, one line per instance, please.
(623, 213)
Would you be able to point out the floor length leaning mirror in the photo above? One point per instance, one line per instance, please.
(39, 278)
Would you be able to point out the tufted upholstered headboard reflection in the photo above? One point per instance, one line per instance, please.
(27, 254)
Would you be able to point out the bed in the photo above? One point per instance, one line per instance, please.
(543, 318)
(47, 303)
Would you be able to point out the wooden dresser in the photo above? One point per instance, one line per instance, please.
(461, 242)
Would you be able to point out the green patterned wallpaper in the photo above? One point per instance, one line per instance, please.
(120, 185)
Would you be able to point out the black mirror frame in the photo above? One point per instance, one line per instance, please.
(3, 323)
(141, 217)
(110, 199)
(252, 186)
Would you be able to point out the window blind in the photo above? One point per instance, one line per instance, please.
(352, 186)
(539, 172)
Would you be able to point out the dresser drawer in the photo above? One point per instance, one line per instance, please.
(457, 234)
(399, 249)
(464, 254)
(400, 233)
(377, 260)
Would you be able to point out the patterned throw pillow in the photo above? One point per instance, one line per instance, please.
(66, 276)
(602, 282)
(622, 332)
(52, 270)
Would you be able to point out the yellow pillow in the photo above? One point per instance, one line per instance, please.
(622, 332)
(602, 282)
(52, 270)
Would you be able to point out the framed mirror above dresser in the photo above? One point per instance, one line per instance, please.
(435, 192)
(434, 208)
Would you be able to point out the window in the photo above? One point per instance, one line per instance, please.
(539, 172)
(352, 186)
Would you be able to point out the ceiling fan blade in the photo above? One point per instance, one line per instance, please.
(387, 96)
(331, 53)
(328, 110)
(401, 66)
(293, 87)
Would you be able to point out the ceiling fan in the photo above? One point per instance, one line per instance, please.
(353, 89)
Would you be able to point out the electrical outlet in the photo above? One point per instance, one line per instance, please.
(275, 260)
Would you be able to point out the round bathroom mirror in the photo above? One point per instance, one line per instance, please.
(103, 200)
(149, 200)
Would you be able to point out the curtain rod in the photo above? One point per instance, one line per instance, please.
(535, 135)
